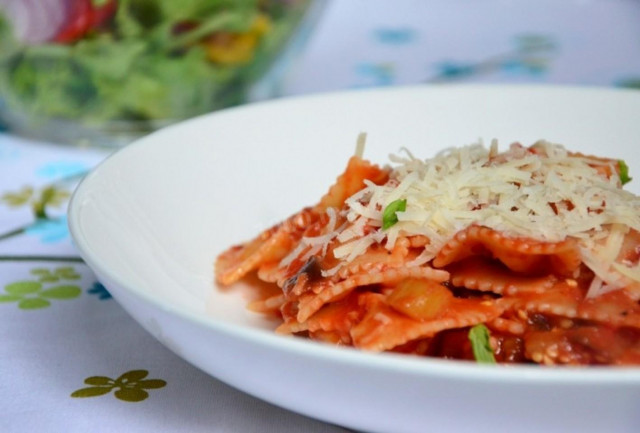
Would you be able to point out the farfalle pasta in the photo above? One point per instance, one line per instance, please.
(529, 255)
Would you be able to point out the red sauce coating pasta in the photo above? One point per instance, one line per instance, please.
(538, 244)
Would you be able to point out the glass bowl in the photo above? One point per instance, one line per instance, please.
(105, 72)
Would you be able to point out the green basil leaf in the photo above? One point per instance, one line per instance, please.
(479, 337)
(624, 172)
(389, 216)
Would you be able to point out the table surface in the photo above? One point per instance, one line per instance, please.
(67, 345)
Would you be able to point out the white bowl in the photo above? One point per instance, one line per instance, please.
(151, 219)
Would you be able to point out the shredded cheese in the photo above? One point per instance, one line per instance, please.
(542, 192)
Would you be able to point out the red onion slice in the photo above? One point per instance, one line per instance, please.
(35, 21)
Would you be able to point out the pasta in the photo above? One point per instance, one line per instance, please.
(529, 255)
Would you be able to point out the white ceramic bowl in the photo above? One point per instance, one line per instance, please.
(151, 219)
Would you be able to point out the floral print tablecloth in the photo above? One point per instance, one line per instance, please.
(72, 360)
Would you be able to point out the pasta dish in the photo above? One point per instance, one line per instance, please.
(527, 255)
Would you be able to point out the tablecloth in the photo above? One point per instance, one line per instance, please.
(72, 360)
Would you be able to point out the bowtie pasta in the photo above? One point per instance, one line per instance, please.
(529, 255)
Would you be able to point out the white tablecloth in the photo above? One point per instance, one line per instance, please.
(67, 347)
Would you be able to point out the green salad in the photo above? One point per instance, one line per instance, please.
(145, 60)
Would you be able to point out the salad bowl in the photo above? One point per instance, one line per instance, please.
(105, 72)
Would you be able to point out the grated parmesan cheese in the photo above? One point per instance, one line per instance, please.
(542, 193)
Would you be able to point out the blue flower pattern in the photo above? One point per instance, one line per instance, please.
(50, 230)
(100, 291)
(371, 74)
(62, 169)
(531, 56)
(394, 36)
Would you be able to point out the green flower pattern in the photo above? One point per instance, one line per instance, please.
(38, 200)
(37, 294)
(130, 386)
(63, 273)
